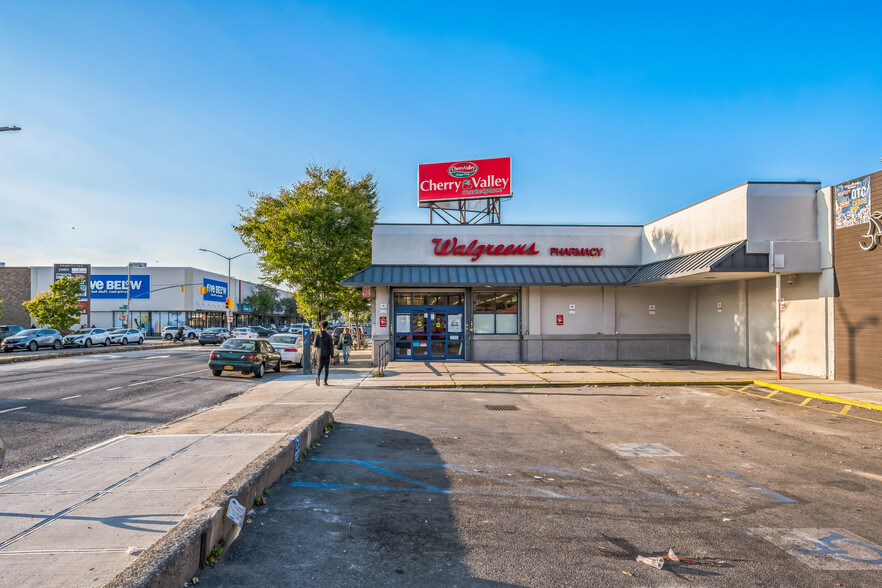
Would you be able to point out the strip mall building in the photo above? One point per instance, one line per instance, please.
(696, 284)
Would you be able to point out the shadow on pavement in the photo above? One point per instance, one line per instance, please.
(346, 516)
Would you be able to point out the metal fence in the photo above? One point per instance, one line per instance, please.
(382, 358)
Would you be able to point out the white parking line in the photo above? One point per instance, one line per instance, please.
(168, 377)
(71, 397)
(112, 389)
(11, 409)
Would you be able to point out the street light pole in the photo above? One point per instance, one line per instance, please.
(229, 266)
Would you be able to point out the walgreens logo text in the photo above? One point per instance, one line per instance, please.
(475, 250)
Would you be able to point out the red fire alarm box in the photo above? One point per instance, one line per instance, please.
(560, 320)
(382, 321)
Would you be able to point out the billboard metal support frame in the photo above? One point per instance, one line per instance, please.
(490, 212)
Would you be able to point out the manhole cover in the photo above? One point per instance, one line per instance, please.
(501, 407)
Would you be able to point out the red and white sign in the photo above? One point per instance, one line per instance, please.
(475, 250)
(464, 180)
(560, 320)
(365, 291)
(382, 322)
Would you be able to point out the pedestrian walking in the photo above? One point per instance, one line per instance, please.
(346, 343)
(324, 343)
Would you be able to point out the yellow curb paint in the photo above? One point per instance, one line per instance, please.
(845, 409)
(772, 394)
(838, 399)
(806, 401)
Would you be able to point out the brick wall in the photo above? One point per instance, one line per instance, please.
(15, 288)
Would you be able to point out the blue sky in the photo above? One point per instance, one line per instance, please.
(145, 125)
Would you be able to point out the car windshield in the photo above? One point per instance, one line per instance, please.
(211, 331)
(28, 332)
(82, 332)
(5, 329)
(244, 345)
(283, 339)
(118, 331)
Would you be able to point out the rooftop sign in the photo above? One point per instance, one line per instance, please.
(464, 180)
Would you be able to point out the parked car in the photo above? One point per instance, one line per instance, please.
(215, 335)
(336, 334)
(248, 356)
(8, 330)
(169, 332)
(87, 338)
(264, 331)
(245, 333)
(32, 339)
(126, 336)
(290, 347)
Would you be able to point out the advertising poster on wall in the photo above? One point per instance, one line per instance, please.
(852, 203)
(214, 291)
(114, 286)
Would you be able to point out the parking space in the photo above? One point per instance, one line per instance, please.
(567, 486)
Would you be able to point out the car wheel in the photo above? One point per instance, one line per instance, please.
(32, 346)
(201, 344)
(88, 343)
(168, 337)
(140, 340)
(191, 336)
(216, 373)
(258, 373)
(125, 341)
(57, 345)
(278, 366)
(107, 342)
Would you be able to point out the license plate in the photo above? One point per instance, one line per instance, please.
(228, 367)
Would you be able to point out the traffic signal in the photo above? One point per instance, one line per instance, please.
(182, 287)
(203, 290)
(228, 303)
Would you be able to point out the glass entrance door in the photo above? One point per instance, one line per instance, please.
(429, 332)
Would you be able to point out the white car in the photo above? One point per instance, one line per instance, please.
(290, 347)
(170, 331)
(245, 333)
(126, 336)
(87, 338)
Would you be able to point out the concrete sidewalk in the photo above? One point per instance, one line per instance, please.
(411, 374)
(81, 520)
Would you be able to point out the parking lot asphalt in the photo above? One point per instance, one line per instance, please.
(567, 486)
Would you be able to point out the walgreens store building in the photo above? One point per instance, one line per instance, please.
(696, 284)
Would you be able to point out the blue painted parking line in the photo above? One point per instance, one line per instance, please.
(826, 546)
(718, 491)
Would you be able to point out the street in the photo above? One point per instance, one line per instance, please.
(56, 407)
(567, 486)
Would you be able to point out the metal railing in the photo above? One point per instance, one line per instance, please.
(382, 358)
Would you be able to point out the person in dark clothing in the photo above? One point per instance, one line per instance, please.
(324, 343)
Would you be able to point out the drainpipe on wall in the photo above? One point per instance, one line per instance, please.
(778, 324)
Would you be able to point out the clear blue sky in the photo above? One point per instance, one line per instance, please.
(146, 124)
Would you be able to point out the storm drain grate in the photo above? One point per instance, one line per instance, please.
(501, 407)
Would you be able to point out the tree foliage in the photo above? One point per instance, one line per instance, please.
(313, 235)
(58, 307)
(289, 307)
(262, 301)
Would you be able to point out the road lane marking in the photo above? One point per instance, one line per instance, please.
(845, 409)
(112, 389)
(806, 401)
(72, 397)
(168, 377)
(157, 357)
(11, 409)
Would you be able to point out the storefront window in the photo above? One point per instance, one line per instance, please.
(402, 299)
(496, 313)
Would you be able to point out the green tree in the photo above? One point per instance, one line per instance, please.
(59, 307)
(289, 308)
(262, 301)
(313, 235)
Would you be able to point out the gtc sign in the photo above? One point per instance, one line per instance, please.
(464, 180)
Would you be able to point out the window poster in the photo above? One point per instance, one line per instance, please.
(402, 323)
(852, 203)
(454, 323)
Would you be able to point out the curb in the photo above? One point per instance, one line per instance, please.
(636, 384)
(837, 399)
(177, 557)
(89, 351)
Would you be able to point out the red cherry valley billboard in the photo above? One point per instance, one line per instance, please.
(464, 180)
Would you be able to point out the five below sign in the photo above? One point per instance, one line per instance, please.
(464, 180)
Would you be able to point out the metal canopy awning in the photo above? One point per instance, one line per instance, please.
(490, 275)
(728, 258)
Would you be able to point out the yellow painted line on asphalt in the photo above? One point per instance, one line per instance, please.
(772, 394)
(806, 401)
(845, 409)
(837, 399)
(804, 404)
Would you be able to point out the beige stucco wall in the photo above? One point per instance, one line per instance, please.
(671, 310)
